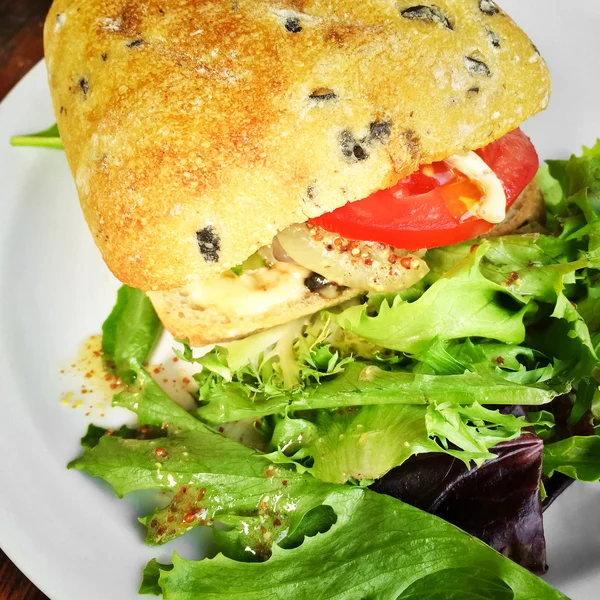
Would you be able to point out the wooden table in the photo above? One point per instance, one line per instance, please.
(21, 24)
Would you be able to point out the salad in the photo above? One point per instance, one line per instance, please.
(388, 433)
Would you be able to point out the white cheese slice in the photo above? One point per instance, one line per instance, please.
(251, 293)
(492, 206)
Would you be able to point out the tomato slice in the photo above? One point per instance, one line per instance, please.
(430, 208)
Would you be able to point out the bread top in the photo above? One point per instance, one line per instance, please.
(197, 130)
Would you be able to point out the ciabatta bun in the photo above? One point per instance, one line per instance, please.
(197, 130)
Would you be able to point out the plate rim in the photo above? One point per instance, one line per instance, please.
(42, 577)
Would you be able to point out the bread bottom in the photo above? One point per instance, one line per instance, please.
(203, 326)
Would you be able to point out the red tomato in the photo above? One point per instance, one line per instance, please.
(429, 208)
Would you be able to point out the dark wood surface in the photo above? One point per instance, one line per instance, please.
(21, 47)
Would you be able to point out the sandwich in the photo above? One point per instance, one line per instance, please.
(339, 197)
(250, 163)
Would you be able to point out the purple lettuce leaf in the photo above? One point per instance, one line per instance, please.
(499, 502)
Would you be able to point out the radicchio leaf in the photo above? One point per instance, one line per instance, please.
(499, 502)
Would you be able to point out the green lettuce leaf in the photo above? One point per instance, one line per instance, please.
(566, 337)
(459, 584)
(531, 266)
(543, 423)
(587, 390)
(417, 552)
(364, 384)
(462, 303)
(154, 408)
(152, 405)
(491, 283)
(94, 434)
(255, 261)
(290, 356)
(572, 191)
(49, 138)
(577, 457)
(589, 306)
(150, 578)
(584, 174)
(130, 332)
(552, 191)
(365, 443)
(213, 479)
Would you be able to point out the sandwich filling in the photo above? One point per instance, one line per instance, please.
(378, 244)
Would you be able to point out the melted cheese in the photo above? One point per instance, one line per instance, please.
(251, 293)
(492, 206)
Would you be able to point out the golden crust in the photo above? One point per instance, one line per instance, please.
(237, 118)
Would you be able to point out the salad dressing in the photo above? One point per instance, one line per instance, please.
(93, 387)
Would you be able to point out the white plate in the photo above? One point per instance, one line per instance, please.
(71, 536)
